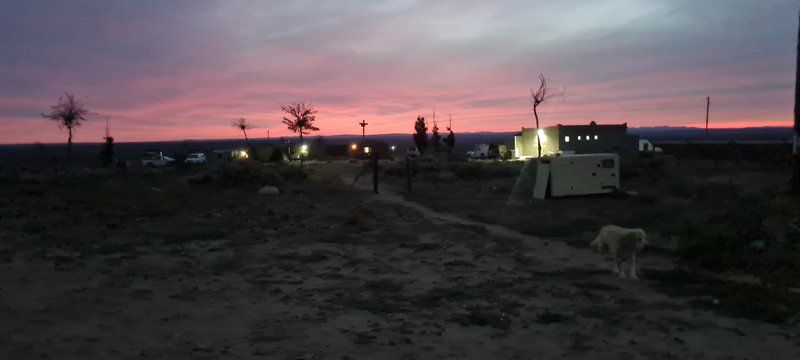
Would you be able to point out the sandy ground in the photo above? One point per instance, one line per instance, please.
(369, 276)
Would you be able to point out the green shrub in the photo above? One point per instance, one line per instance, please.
(257, 174)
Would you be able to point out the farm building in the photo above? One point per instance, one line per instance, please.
(576, 139)
(365, 149)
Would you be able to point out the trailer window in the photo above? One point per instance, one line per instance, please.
(608, 163)
(595, 137)
(566, 138)
(579, 137)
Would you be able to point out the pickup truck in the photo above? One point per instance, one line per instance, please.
(156, 160)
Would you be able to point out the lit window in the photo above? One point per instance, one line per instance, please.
(595, 137)
(566, 138)
(579, 138)
(588, 137)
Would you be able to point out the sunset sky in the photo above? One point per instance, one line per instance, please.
(169, 70)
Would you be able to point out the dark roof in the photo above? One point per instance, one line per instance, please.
(593, 124)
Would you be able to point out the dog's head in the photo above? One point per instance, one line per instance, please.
(641, 238)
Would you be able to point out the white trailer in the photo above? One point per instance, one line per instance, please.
(582, 174)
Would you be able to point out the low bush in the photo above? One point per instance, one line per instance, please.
(257, 174)
(484, 170)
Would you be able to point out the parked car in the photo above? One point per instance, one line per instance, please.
(156, 160)
(196, 159)
(480, 151)
(489, 151)
(412, 152)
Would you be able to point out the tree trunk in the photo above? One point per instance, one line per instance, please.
(538, 141)
(245, 136)
(375, 172)
(69, 144)
(300, 153)
(795, 153)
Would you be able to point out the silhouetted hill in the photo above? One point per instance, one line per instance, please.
(86, 153)
(691, 133)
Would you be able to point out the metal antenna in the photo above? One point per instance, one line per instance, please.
(708, 106)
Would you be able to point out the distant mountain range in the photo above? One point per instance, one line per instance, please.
(87, 152)
(692, 133)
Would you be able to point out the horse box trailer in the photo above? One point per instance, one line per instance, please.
(582, 174)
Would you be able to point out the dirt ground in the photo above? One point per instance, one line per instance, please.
(196, 264)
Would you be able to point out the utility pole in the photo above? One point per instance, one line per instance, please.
(267, 134)
(795, 154)
(708, 107)
(363, 124)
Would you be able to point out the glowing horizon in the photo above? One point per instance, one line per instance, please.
(158, 77)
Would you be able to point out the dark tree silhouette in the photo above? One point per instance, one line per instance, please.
(243, 125)
(301, 120)
(436, 139)
(450, 140)
(420, 135)
(69, 113)
(538, 97)
(107, 154)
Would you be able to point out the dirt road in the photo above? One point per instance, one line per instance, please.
(322, 271)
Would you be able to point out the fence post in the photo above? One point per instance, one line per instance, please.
(375, 172)
(408, 173)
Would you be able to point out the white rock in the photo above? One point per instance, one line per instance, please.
(269, 190)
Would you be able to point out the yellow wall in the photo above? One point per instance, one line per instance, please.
(526, 143)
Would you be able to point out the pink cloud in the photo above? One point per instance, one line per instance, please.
(156, 78)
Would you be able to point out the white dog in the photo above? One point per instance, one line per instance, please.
(622, 243)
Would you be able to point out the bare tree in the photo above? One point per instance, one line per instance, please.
(243, 125)
(301, 120)
(538, 97)
(69, 113)
(795, 154)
